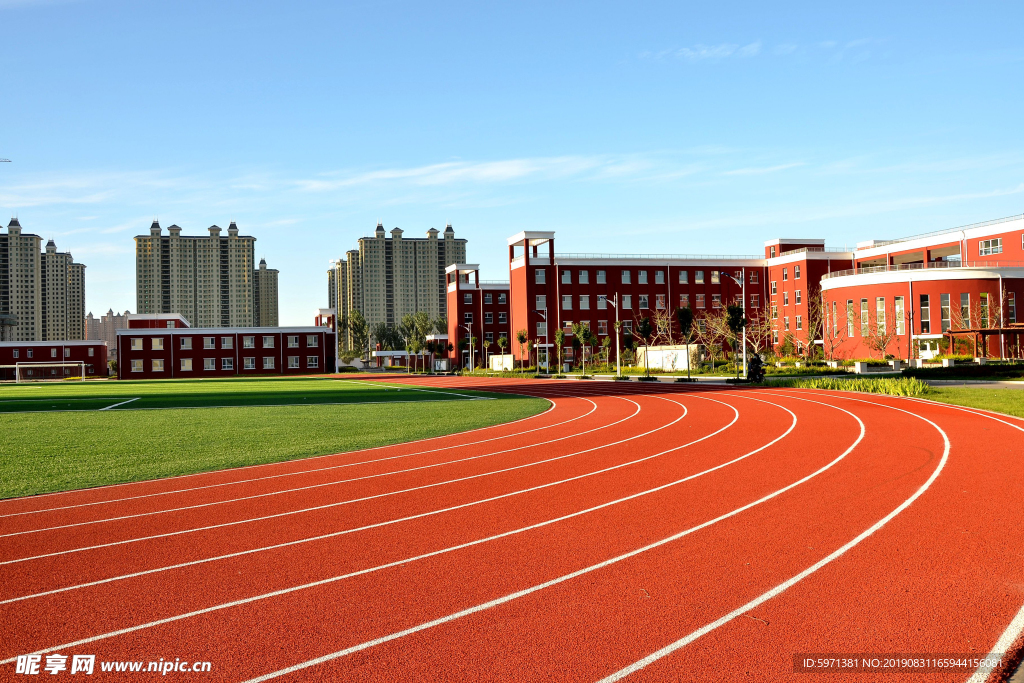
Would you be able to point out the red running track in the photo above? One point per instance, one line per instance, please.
(631, 532)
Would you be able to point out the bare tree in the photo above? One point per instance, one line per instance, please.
(759, 329)
(832, 325)
(711, 330)
(661, 322)
(882, 333)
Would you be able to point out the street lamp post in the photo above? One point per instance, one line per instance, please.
(618, 343)
(742, 282)
(469, 338)
(547, 346)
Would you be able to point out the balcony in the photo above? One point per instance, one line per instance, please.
(921, 266)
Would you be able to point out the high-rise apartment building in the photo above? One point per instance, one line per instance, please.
(389, 277)
(209, 280)
(264, 288)
(42, 295)
(105, 327)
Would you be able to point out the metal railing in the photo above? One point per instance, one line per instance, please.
(663, 257)
(920, 266)
(802, 250)
(934, 233)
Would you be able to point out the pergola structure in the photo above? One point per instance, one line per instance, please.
(1012, 334)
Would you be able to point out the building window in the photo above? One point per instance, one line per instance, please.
(209, 342)
(625, 277)
(538, 276)
(489, 337)
(627, 301)
(268, 342)
(227, 342)
(700, 301)
(467, 299)
(684, 301)
(293, 361)
(944, 311)
(659, 277)
(209, 364)
(926, 316)
(627, 325)
(467, 318)
(293, 341)
(268, 362)
(775, 333)
(716, 301)
(1011, 304)
(227, 363)
(684, 279)
(488, 299)
(542, 302)
(983, 309)
(15, 353)
(584, 277)
(775, 289)
(799, 322)
(601, 277)
(186, 365)
(67, 353)
(716, 278)
(785, 320)
(659, 301)
(91, 352)
(170, 323)
(965, 311)
(53, 353)
(864, 322)
(898, 312)
(137, 366)
(542, 329)
(641, 277)
(584, 301)
(502, 299)
(248, 342)
(249, 363)
(849, 317)
(602, 327)
(643, 301)
(136, 343)
(566, 277)
(771, 254)
(990, 247)
(785, 274)
(798, 299)
(755, 301)
(602, 302)
(186, 343)
(567, 302)
(880, 314)
(489, 318)
(158, 343)
(785, 298)
(796, 272)
(753, 277)
(567, 327)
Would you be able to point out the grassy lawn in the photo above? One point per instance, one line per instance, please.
(999, 399)
(78, 446)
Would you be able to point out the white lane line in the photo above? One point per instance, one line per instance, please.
(409, 387)
(318, 469)
(1002, 647)
(436, 512)
(435, 553)
(322, 484)
(121, 403)
(346, 502)
(264, 464)
(547, 584)
(785, 585)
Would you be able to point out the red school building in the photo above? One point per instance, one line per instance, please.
(91, 353)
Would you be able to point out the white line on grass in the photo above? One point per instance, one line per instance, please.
(121, 403)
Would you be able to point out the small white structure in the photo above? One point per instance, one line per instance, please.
(667, 358)
(501, 362)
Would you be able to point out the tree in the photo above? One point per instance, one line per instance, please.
(684, 316)
(712, 330)
(883, 332)
(358, 331)
(342, 337)
(606, 350)
(643, 333)
(502, 343)
(441, 325)
(833, 325)
(559, 345)
(662, 327)
(735, 320)
(581, 337)
(521, 337)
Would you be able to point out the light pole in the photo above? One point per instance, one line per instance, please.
(742, 282)
(618, 345)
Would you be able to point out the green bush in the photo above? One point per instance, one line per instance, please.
(891, 386)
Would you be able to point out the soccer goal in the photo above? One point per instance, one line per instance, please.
(49, 372)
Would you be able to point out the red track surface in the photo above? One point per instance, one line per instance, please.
(650, 532)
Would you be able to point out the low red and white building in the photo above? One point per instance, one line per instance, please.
(477, 309)
(92, 354)
(159, 346)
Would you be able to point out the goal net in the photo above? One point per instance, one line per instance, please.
(49, 372)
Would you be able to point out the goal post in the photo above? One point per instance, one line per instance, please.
(49, 372)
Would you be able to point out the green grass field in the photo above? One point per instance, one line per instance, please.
(179, 427)
(998, 399)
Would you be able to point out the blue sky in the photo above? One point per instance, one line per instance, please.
(627, 128)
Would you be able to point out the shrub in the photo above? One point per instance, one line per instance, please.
(891, 386)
